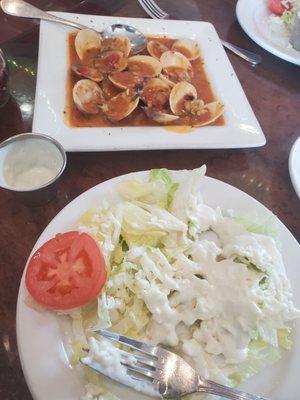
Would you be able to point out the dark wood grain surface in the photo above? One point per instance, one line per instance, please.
(273, 90)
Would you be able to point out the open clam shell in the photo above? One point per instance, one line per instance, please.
(121, 43)
(87, 96)
(174, 59)
(189, 48)
(156, 93)
(159, 116)
(176, 66)
(110, 61)
(87, 72)
(120, 106)
(215, 109)
(125, 79)
(181, 92)
(166, 79)
(86, 42)
(145, 66)
(156, 48)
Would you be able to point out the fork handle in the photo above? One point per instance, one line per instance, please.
(20, 8)
(224, 391)
(247, 55)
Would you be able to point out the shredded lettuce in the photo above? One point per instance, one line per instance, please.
(103, 312)
(77, 352)
(159, 189)
(162, 175)
(260, 355)
(151, 240)
(134, 320)
(250, 265)
(94, 389)
(284, 339)
(79, 333)
(79, 341)
(264, 223)
(171, 193)
(288, 18)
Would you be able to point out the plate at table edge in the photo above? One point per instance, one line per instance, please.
(294, 166)
(248, 14)
(41, 336)
(240, 130)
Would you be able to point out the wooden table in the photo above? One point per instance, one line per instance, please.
(273, 90)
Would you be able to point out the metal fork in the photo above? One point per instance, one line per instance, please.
(169, 375)
(155, 12)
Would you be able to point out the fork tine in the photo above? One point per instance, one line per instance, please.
(148, 10)
(131, 363)
(156, 7)
(132, 343)
(143, 360)
(152, 9)
(141, 371)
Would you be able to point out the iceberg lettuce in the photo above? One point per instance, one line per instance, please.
(260, 355)
(159, 189)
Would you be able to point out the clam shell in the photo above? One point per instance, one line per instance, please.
(180, 92)
(110, 61)
(87, 96)
(120, 106)
(121, 43)
(175, 60)
(189, 48)
(87, 72)
(156, 48)
(167, 80)
(156, 93)
(145, 66)
(85, 41)
(125, 79)
(158, 116)
(216, 109)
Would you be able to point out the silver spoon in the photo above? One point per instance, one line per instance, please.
(20, 8)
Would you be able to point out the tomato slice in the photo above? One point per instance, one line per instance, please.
(67, 271)
(277, 7)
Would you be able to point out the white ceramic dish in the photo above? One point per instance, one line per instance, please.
(41, 335)
(294, 166)
(253, 17)
(240, 130)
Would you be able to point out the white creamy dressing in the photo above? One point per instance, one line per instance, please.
(225, 300)
(30, 178)
(31, 164)
(107, 359)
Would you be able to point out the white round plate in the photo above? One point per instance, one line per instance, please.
(41, 335)
(253, 17)
(294, 166)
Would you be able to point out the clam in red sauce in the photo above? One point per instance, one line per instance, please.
(156, 48)
(75, 118)
(126, 79)
(156, 97)
(141, 68)
(110, 61)
(176, 74)
(120, 106)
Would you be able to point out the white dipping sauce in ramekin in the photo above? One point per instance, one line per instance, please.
(31, 164)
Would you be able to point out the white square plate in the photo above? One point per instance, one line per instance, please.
(241, 128)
